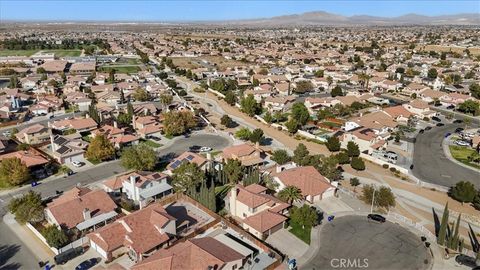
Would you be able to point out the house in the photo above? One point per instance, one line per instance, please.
(81, 208)
(380, 122)
(147, 126)
(279, 103)
(419, 108)
(314, 104)
(414, 88)
(196, 253)
(366, 139)
(455, 99)
(139, 234)
(140, 187)
(28, 157)
(4, 141)
(81, 100)
(116, 135)
(54, 66)
(261, 214)
(78, 124)
(430, 95)
(83, 67)
(313, 185)
(190, 157)
(68, 148)
(399, 113)
(248, 155)
(33, 134)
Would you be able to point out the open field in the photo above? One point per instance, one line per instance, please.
(17, 52)
(120, 69)
(64, 53)
(461, 154)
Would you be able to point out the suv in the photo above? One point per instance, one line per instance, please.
(466, 260)
(64, 257)
(434, 118)
(377, 217)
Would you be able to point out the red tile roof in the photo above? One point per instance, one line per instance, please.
(307, 179)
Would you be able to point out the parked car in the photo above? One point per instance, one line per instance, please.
(205, 149)
(77, 164)
(458, 121)
(458, 130)
(434, 118)
(428, 128)
(377, 217)
(462, 143)
(447, 134)
(64, 257)
(421, 131)
(440, 124)
(87, 264)
(451, 107)
(466, 260)
(155, 138)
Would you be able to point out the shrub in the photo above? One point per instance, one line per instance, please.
(393, 169)
(385, 166)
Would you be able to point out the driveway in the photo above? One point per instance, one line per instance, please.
(288, 243)
(360, 243)
(431, 164)
(332, 205)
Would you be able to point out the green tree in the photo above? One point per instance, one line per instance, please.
(327, 166)
(100, 149)
(281, 156)
(243, 134)
(111, 76)
(178, 122)
(300, 154)
(268, 117)
(343, 158)
(124, 119)
(41, 70)
(139, 157)
(304, 216)
(55, 238)
(93, 113)
(303, 86)
(352, 149)
(336, 91)
(141, 95)
(475, 90)
(333, 144)
(130, 109)
(463, 191)
(13, 172)
(432, 73)
(165, 100)
(27, 208)
(357, 164)
(384, 196)
(249, 105)
(230, 98)
(187, 176)
(292, 126)
(319, 73)
(354, 182)
(442, 231)
(256, 136)
(300, 113)
(470, 106)
(233, 169)
(226, 121)
(13, 82)
(290, 194)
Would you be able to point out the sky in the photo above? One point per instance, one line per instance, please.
(195, 10)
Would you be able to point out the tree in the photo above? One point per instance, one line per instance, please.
(165, 100)
(41, 70)
(55, 238)
(463, 191)
(186, 177)
(327, 166)
(354, 182)
(352, 149)
(226, 121)
(475, 90)
(130, 109)
(256, 136)
(432, 73)
(292, 126)
(100, 149)
(303, 86)
(27, 208)
(319, 73)
(383, 196)
(178, 122)
(111, 76)
(124, 119)
(268, 117)
(358, 164)
(233, 170)
(304, 216)
(139, 157)
(249, 105)
(243, 134)
(13, 172)
(325, 113)
(230, 98)
(13, 82)
(333, 144)
(281, 156)
(470, 106)
(93, 113)
(23, 147)
(336, 91)
(140, 95)
(300, 113)
(300, 154)
(343, 158)
(442, 231)
(290, 194)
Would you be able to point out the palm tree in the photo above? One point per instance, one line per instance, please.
(290, 194)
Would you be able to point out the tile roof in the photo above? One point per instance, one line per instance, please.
(28, 158)
(264, 220)
(307, 179)
(187, 157)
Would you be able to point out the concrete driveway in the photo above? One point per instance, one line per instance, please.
(332, 205)
(288, 243)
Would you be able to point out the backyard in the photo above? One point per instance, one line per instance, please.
(461, 154)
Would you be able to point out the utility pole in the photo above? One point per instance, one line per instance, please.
(373, 199)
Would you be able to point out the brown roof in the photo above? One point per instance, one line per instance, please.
(68, 208)
(75, 123)
(398, 111)
(142, 177)
(307, 179)
(188, 157)
(36, 128)
(264, 220)
(28, 158)
(238, 150)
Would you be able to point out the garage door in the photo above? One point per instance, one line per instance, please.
(98, 249)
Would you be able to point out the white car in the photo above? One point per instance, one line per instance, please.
(462, 143)
(77, 164)
(205, 149)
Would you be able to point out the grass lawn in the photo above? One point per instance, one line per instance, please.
(461, 154)
(332, 124)
(17, 52)
(94, 161)
(121, 69)
(302, 234)
(64, 53)
(152, 143)
(222, 190)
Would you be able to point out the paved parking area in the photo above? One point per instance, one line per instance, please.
(288, 243)
(366, 244)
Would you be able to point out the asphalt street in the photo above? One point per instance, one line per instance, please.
(363, 244)
(430, 163)
(14, 253)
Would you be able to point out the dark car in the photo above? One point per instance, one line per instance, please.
(440, 124)
(421, 131)
(87, 264)
(458, 130)
(376, 217)
(64, 257)
(428, 128)
(466, 260)
(434, 118)
(458, 121)
(451, 107)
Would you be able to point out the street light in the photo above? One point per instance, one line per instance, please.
(373, 199)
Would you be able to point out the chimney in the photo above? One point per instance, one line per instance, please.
(133, 180)
(86, 214)
(87, 115)
(52, 145)
(145, 111)
(115, 125)
(209, 156)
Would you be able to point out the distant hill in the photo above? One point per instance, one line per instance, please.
(325, 18)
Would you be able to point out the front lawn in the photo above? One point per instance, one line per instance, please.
(298, 231)
(461, 153)
(152, 143)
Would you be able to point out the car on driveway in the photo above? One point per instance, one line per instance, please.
(87, 264)
(377, 217)
(434, 118)
(77, 164)
(466, 260)
(205, 149)
(462, 143)
(66, 256)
